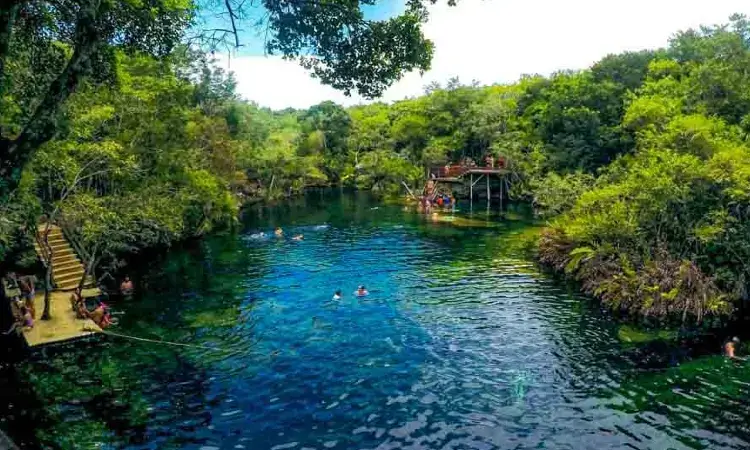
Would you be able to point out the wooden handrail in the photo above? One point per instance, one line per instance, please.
(74, 242)
(44, 246)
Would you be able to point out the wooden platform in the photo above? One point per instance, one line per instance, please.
(64, 325)
(487, 171)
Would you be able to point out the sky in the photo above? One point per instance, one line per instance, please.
(493, 41)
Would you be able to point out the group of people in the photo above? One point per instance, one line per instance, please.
(441, 200)
(279, 233)
(360, 292)
(100, 315)
(21, 290)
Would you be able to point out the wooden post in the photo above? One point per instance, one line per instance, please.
(489, 197)
(502, 180)
(471, 191)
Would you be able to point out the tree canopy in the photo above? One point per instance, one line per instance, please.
(48, 48)
(640, 163)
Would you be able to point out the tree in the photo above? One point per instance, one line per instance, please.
(333, 39)
(87, 31)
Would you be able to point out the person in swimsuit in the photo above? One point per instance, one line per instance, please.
(730, 347)
(126, 288)
(28, 321)
(362, 291)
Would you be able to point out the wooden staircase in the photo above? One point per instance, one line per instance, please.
(67, 268)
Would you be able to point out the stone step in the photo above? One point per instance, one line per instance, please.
(73, 277)
(71, 285)
(61, 272)
(58, 242)
(58, 260)
(66, 265)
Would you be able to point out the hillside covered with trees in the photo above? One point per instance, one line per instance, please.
(640, 163)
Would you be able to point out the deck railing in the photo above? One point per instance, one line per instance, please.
(44, 246)
(459, 170)
(450, 171)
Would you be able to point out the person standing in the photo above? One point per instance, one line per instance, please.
(28, 290)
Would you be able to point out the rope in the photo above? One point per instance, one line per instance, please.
(156, 341)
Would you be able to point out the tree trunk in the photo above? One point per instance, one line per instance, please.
(89, 271)
(15, 153)
(47, 291)
(6, 313)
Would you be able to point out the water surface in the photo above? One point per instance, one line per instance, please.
(461, 344)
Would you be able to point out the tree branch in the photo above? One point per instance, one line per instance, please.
(8, 16)
(14, 154)
(232, 16)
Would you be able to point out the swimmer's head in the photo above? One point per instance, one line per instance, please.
(338, 292)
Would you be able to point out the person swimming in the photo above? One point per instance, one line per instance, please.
(278, 232)
(361, 291)
(126, 287)
(299, 237)
(730, 347)
(337, 294)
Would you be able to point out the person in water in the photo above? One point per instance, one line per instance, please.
(337, 294)
(362, 291)
(299, 237)
(126, 287)
(730, 347)
(278, 232)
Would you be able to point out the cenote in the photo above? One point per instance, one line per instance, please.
(462, 344)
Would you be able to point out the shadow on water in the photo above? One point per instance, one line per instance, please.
(462, 343)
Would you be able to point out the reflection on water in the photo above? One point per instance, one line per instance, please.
(461, 344)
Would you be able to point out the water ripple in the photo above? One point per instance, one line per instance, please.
(460, 344)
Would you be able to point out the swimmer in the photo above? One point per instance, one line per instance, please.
(730, 346)
(361, 291)
(337, 295)
(299, 237)
(278, 232)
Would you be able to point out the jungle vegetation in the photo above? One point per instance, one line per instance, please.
(640, 163)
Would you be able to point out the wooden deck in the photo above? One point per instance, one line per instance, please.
(64, 325)
(487, 171)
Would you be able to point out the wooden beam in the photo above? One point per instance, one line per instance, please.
(502, 180)
(471, 191)
(478, 179)
(408, 190)
(488, 192)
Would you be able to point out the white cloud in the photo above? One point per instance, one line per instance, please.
(499, 40)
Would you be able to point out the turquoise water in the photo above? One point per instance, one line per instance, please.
(461, 344)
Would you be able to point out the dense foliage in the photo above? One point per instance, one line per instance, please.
(640, 162)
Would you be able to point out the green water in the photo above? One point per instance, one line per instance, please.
(461, 344)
